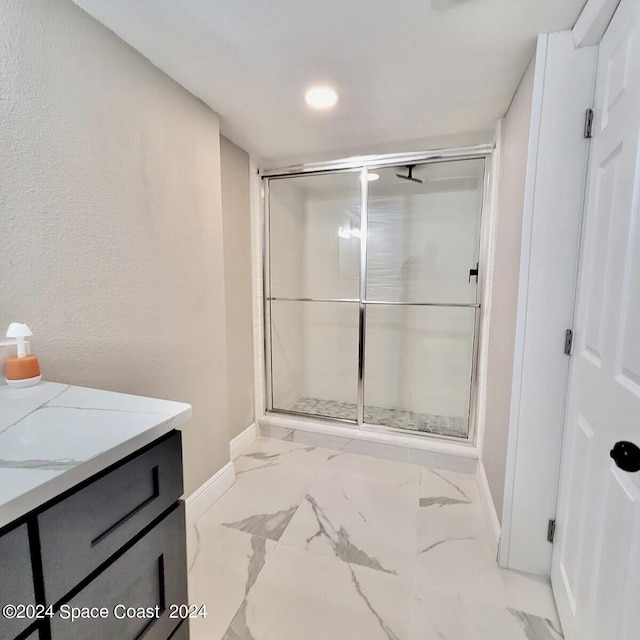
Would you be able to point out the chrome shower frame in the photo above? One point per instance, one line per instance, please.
(364, 164)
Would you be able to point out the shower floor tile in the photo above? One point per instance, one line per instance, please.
(427, 422)
(314, 544)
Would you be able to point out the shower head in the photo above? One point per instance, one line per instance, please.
(409, 177)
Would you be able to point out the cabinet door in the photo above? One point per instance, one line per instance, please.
(182, 632)
(16, 578)
(83, 531)
(153, 573)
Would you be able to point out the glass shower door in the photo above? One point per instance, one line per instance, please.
(312, 301)
(421, 296)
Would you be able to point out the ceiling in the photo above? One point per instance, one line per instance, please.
(405, 70)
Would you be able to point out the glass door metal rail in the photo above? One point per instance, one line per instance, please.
(371, 290)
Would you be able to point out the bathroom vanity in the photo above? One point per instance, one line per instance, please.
(92, 528)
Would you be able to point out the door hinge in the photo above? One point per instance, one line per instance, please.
(588, 124)
(568, 342)
(551, 531)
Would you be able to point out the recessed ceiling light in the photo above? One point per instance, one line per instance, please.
(321, 97)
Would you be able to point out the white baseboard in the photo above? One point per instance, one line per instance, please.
(243, 441)
(490, 513)
(205, 496)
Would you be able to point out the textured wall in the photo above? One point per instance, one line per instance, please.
(505, 286)
(111, 224)
(234, 164)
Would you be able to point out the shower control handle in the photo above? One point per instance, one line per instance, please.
(473, 273)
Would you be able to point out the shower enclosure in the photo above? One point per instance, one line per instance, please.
(371, 291)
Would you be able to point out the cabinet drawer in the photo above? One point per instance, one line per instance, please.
(84, 530)
(153, 573)
(16, 578)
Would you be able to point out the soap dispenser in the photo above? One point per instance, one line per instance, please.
(22, 370)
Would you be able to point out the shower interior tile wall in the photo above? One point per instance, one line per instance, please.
(314, 345)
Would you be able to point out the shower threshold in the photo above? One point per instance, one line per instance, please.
(451, 426)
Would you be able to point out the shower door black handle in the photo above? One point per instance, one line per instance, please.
(473, 273)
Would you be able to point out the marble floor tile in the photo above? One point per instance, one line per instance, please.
(444, 617)
(272, 479)
(225, 564)
(451, 483)
(273, 431)
(299, 595)
(362, 511)
(454, 554)
(371, 449)
(440, 460)
(449, 510)
(529, 594)
(319, 544)
(307, 438)
(371, 469)
(458, 566)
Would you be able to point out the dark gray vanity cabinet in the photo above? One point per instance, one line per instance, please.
(16, 582)
(82, 531)
(116, 543)
(182, 632)
(148, 577)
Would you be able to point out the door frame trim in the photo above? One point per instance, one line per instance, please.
(593, 22)
(540, 57)
(536, 419)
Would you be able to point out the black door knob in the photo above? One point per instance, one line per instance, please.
(627, 456)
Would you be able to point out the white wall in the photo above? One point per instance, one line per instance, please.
(515, 145)
(234, 163)
(111, 225)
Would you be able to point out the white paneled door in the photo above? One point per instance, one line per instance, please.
(596, 562)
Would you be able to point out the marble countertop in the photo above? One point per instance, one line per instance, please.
(53, 436)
